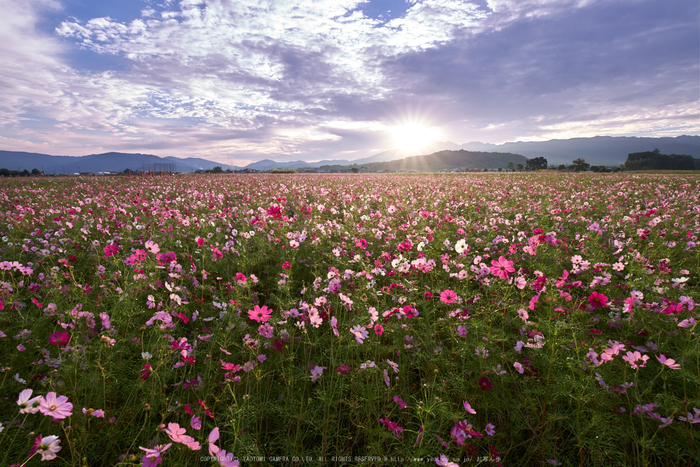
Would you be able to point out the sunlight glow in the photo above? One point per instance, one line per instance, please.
(413, 136)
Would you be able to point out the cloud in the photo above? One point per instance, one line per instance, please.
(321, 79)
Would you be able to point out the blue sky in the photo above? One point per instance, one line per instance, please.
(243, 80)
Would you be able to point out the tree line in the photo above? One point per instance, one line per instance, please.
(16, 173)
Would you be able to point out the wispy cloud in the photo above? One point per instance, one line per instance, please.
(244, 79)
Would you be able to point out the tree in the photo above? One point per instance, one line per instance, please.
(579, 165)
(519, 167)
(354, 170)
(561, 167)
(217, 170)
(536, 163)
(654, 160)
(510, 166)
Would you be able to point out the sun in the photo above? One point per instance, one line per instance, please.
(413, 136)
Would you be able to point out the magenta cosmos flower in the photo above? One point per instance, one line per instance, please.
(502, 268)
(448, 296)
(484, 383)
(153, 456)
(597, 300)
(55, 406)
(260, 315)
(59, 338)
(111, 250)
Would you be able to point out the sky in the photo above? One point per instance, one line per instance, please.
(238, 81)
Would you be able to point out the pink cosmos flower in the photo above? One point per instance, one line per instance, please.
(178, 435)
(286, 265)
(468, 408)
(597, 300)
(502, 267)
(443, 461)
(56, 407)
(175, 432)
(669, 362)
(95, 413)
(378, 329)
(633, 357)
(260, 315)
(448, 296)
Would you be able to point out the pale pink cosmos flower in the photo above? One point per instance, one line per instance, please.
(359, 332)
(177, 434)
(687, 323)
(669, 362)
(152, 247)
(48, 447)
(633, 357)
(316, 372)
(226, 459)
(523, 314)
(55, 406)
(196, 422)
(519, 367)
(213, 438)
(502, 267)
(27, 405)
(334, 325)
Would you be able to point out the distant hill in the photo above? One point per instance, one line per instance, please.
(107, 162)
(599, 150)
(449, 160)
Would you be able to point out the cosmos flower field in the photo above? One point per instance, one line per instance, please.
(468, 319)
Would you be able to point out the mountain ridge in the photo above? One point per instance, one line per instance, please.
(598, 150)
